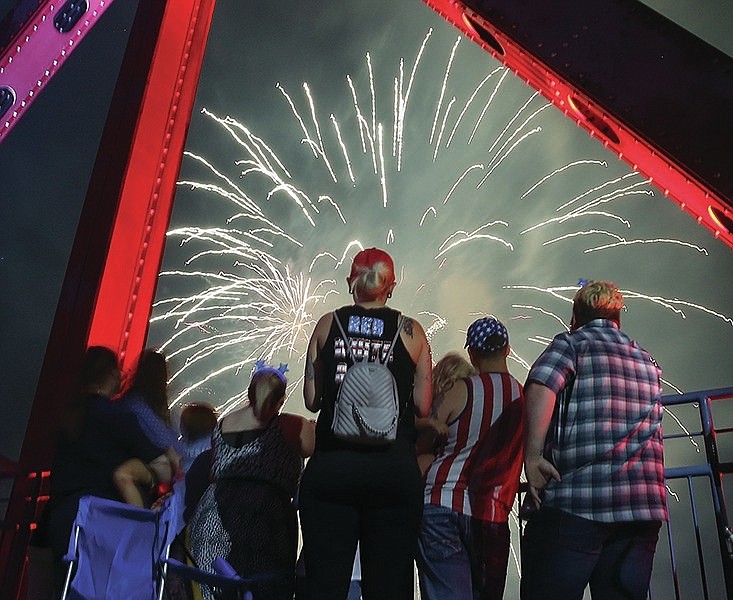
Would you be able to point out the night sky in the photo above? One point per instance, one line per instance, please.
(261, 262)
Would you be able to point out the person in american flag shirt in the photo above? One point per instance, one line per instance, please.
(471, 486)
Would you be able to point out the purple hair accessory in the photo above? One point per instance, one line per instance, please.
(582, 282)
(280, 371)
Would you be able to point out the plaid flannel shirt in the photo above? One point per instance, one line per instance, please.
(605, 437)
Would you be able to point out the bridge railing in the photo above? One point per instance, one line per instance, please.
(698, 455)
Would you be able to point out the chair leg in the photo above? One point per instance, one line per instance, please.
(67, 581)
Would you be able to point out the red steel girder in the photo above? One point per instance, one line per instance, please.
(110, 281)
(653, 93)
(36, 41)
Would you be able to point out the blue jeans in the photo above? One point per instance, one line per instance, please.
(562, 554)
(461, 557)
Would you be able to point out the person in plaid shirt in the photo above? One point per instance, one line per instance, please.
(593, 459)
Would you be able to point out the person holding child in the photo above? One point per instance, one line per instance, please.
(94, 438)
(147, 400)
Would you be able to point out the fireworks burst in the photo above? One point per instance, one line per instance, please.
(304, 206)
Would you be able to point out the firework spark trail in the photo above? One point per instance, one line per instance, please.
(337, 261)
(383, 176)
(367, 132)
(544, 311)
(688, 434)
(372, 93)
(552, 291)
(575, 163)
(540, 339)
(668, 303)
(401, 100)
(597, 188)
(227, 239)
(318, 148)
(343, 147)
(625, 242)
(507, 153)
(276, 318)
(238, 196)
(579, 233)
(468, 104)
(606, 198)
(336, 206)
(459, 180)
(569, 216)
(361, 121)
(447, 245)
(438, 323)
(585, 210)
(311, 144)
(517, 131)
(430, 209)
(511, 121)
(279, 319)
(442, 127)
(216, 344)
(396, 105)
(670, 384)
(487, 105)
(320, 255)
(262, 155)
(260, 163)
(526, 365)
(227, 289)
(280, 292)
(513, 356)
(196, 300)
(201, 382)
(443, 87)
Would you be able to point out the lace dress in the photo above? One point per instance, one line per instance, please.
(246, 514)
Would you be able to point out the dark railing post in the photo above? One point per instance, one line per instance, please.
(721, 514)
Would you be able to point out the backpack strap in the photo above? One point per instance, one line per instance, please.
(394, 339)
(348, 346)
(346, 339)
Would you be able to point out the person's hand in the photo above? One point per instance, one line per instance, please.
(177, 472)
(539, 471)
(440, 430)
(160, 500)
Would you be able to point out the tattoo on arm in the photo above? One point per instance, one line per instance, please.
(310, 372)
(408, 327)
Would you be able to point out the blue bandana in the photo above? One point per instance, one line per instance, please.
(482, 330)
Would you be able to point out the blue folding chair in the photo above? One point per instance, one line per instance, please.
(120, 552)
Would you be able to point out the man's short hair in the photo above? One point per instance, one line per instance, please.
(597, 300)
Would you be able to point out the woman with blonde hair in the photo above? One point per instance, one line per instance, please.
(355, 493)
(433, 433)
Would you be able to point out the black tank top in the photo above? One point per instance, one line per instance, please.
(370, 332)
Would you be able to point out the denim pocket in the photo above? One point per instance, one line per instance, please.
(440, 535)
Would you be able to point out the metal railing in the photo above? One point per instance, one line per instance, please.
(713, 470)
